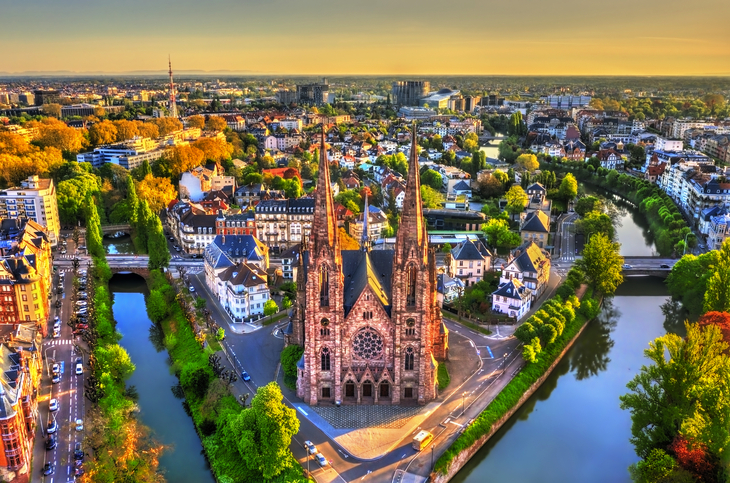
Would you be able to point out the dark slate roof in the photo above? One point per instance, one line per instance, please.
(244, 274)
(300, 363)
(470, 250)
(536, 221)
(512, 290)
(535, 187)
(361, 269)
(237, 246)
(461, 185)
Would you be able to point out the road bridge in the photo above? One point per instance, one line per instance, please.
(487, 137)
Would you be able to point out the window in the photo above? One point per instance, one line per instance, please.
(324, 330)
(324, 287)
(409, 359)
(410, 327)
(325, 393)
(411, 285)
(325, 359)
(25, 298)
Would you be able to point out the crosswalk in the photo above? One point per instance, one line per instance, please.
(66, 257)
(57, 342)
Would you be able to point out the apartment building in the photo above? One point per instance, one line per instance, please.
(35, 200)
(280, 224)
(719, 231)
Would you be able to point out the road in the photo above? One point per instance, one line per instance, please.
(68, 392)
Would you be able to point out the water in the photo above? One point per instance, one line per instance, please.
(119, 246)
(632, 229)
(572, 429)
(159, 409)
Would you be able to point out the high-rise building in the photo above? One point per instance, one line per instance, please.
(47, 96)
(368, 320)
(35, 200)
(410, 93)
(315, 94)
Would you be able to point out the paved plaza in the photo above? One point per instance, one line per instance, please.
(361, 417)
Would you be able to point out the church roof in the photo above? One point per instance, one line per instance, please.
(361, 269)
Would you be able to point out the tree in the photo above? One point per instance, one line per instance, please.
(527, 162)
(148, 130)
(167, 125)
(346, 241)
(53, 110)
(157, 192)
(587, 204)
(196, 121)
(216, 123)
(595, 222)
(54, 133)
(685, 391)
(689, 278)
(213, 149)
(195, 378)
(157, 307)
(126, 129)
(114, 360)
(718, 319)
(433, 179)
(499, 235)
(104, 132)
(289, 358)
(602, 264)
(717, 296)
(159, 255)
(471, 142)
(516, 200)
(270, 308)
(181, 159)
(430, 198)
(263, 433)
(568, 187)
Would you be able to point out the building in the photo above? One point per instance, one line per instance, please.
(84, 110)
(448, 288)
(566, 102)
(46, 96)
(470, 260)
(410, 93)
(315, 94)
(35, 200)
(441, 99)
(290, 262)
(368, 320)
(530, 265)
(376, 223)
(281, 224)
(192, 228)
(719, 231)
(21, 365)
(535, 227)
(512, 298)
(454, 220)
(243, 223)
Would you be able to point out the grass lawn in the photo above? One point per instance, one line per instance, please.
(271, 319)
(471, 325)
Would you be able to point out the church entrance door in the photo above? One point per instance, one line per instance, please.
(384, 389)
(367, 390)
(350, 389)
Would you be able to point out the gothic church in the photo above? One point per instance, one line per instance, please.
(368, 319)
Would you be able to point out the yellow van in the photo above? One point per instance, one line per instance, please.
(421, 440)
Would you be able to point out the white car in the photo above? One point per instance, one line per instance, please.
(191, 288)
(321, 459)
(56, 369)
(53, 405)
(311, 448)
(79, 366)
(79, 425)
(56, 332)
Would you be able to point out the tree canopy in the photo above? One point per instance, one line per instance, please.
(602, 264)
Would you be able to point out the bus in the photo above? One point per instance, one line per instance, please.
(421, 440)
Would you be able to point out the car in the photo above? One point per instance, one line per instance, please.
(53, 405)
(664, 265)
(56, 332)
(83, 296)
(626, 266)
(52, 426)
(171, 238)
(79, 472)
(56, 378)
(82, 247)
(311, 448)
(78, 452)
(57, 325)
(57, 320)
(79, 425)
(79, 366)
(321, 459)
(82, 326)
(51, 443)
(48, 469)
(56, 368)
(191, 288)
(245, 376)
(58, 303)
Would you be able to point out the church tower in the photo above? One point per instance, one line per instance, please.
(324, 313)
(416, 316)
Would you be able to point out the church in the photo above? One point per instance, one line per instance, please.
(368, 319)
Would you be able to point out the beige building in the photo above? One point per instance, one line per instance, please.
(35, 200)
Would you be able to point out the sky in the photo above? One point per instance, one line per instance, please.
(376, 37)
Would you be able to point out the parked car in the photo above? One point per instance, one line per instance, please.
(48, 469)
(53, 405)
(79, 366)
(56, 378)
(56, 332)
(51, 443)
(664, 265)
(78, 452)
(56, 368)
(311, 448)
(191, 288)
(79, 472)
(245, 376)
(626, 266)
(52, 426)
(321, 459)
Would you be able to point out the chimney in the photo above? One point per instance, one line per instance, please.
(223, 240)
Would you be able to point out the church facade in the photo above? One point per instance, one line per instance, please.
(368, 320)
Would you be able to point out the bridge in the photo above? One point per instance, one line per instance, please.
(487, 137)
(127, 263)
(643, 266)
(110, 229)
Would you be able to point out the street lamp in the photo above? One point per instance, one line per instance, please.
(463, 395)
(685, 243)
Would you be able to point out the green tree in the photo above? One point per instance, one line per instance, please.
(595, 222)
(688, 280)
(587, 204)
(289, 358)
(270, 307)
(159, 255)
(516, 200)
(195, 378)
(433, 179)
(114, 360)
(132, 200)
(430, 198)
(568, 187)
(684, 391)
(717, 296)
(157, 306)
(602, 264)
(263, 433)
(446, 248)
(499, 235)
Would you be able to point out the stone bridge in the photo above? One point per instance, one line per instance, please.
(129, 264)
(644, 266)
(110, 229)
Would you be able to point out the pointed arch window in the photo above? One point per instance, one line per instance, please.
(324, 287)
(325, 359)
(409, 358)
(411, 285)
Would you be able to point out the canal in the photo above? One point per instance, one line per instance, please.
(182, 461)
(121, 245)
(572, 429)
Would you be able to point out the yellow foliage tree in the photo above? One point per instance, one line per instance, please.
(53, 110)
(14, 168)
(167, 125)
(104, 132)
(158, 192)
(126, 129)
(196, 121)
(214, 149)
(216, 123)
(148, 129)
(11, 143)
(183, 158)
(346, 241)
(54, 133)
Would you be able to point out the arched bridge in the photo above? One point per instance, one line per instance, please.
(129, 264)
(110, 229)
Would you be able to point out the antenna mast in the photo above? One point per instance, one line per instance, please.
(173, 105)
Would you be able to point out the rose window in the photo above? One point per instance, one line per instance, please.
(367, 344)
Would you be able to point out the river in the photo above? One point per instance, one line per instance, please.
(118, 246)
(572, 429)
(159, 409)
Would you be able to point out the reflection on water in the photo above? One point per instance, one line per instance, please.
(119, 246)
(159, 409)
(572, 430)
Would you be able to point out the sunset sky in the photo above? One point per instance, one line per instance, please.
(568, 37)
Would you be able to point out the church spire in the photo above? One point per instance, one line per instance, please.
(365, 241)
(412, 231)
(324, 225)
